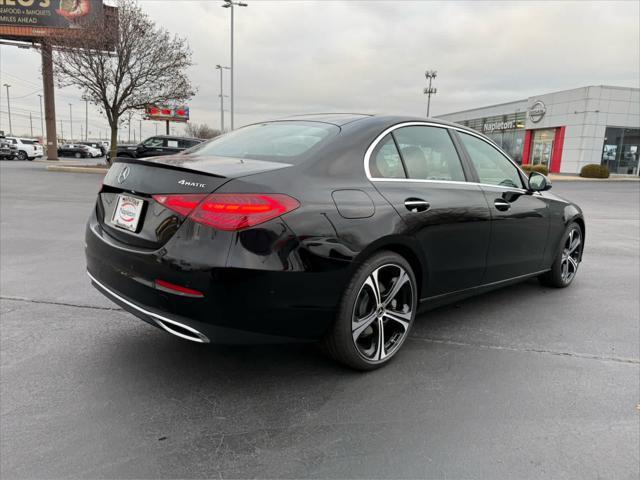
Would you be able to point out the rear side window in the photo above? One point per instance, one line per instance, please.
(492, 166)
(429, 154)
(27, 142)
(153, 142)
(385, 161)
(285, 142)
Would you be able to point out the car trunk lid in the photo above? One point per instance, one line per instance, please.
(130, 184)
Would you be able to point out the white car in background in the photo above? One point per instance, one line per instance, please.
(93, 151)
(27, 148)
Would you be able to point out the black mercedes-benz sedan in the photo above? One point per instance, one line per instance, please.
(333, 228)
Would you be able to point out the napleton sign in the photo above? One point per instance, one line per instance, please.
(499, 126)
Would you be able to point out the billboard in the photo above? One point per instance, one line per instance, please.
(164, 112)
(42, 18)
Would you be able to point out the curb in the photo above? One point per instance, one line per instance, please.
(571, 178)
(73, 169)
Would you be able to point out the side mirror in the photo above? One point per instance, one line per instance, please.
(538, 182)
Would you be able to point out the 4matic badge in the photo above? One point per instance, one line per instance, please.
(187, 183)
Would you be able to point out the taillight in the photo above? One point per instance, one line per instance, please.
(230, 211)
(183, 204)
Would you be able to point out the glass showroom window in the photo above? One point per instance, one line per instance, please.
(621, 150)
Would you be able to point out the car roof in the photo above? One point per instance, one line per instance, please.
(176, 136)
(338, 119)
(363, 119)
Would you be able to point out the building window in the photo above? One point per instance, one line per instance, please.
(507, 131)
(621, 150)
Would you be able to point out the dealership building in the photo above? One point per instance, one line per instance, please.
(565, 130)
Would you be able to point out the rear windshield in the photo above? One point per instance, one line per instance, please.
(287, 142)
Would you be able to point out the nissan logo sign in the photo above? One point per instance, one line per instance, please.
(123, 174)
(537, 111)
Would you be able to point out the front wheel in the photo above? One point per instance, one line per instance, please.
(565, 265)
(376, 313)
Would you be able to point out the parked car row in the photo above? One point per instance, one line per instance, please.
(29, 149)
(20, 148)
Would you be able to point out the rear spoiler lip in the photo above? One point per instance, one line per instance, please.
(261, 166)
(167, 166)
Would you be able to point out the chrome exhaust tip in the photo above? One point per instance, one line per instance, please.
(181, 330)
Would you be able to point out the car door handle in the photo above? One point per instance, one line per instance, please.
(416, 205)
(501, 204)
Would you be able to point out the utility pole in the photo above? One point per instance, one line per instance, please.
(221, 68)
(156, 125)
(430, 75)
(70, 123)
(140, 128)
(49, 101)
(31, 124)
(86, 119)
(61, 133)
(230, 4)
(9, 108)
(81, 133)
(41, 119)
(129, 139)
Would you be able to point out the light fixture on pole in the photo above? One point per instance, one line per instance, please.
(230, 4)
(9, 108)
(221, 68)
(430, 75)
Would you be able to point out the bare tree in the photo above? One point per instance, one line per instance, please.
(125, 68)
(201, 130)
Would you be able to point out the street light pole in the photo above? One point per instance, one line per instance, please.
(86, 120)
(230, 4)
(430, 75)
(41, 120)
(9, 108)
(221, 68)
(70, 122)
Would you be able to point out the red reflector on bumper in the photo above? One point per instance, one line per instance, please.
(177, 289)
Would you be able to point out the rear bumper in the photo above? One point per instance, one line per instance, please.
(241, 304)
(186, 328)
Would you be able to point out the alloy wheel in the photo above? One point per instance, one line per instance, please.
(382, 313)
(571, 255)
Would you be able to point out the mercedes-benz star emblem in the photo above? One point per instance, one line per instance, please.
(123, 174)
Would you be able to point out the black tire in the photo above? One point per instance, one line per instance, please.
(22, 155)
(78, 155)
(359, 303)
(565, 265)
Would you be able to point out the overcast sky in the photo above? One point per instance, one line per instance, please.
(370, 56)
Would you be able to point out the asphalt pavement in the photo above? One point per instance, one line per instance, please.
(525, 382)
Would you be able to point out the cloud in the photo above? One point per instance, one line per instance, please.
(370, 56)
